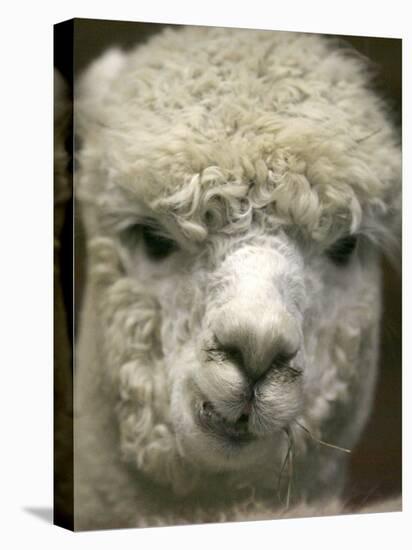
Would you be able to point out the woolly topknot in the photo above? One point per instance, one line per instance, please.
(236, 120)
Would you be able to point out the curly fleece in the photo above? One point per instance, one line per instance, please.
(253, 151)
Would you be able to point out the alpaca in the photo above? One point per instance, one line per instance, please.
(237, 188)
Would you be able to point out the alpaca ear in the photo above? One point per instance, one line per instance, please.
(95, 82)
(90, 113)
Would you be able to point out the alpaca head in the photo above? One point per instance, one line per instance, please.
(236, 187)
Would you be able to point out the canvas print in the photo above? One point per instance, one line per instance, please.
(235, 201)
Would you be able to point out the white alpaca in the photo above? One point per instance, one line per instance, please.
(237, 187)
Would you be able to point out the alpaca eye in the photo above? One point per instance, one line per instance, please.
(341, 252)
(156, 246)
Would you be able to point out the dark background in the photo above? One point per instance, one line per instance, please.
(376, 464)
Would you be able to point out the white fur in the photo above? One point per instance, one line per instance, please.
(255, 151)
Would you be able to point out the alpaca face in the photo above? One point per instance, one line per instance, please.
(232, 224)
(225, 347)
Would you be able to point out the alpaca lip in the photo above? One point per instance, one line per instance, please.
(212, 421)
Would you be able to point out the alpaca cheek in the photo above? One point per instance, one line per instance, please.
(342, 362)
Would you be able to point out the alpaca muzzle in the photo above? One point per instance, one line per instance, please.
(252, 356)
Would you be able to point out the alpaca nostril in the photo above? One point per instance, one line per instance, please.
(283, 359)
(234, 354)
(228, 352)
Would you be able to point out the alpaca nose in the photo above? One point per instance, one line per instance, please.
(257, 341)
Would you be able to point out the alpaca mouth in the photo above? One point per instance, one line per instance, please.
(236, 432)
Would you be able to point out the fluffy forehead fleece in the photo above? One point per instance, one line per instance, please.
(210, 124)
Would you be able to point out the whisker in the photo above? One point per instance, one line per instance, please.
(289, 461)
(320, 441)
(364, 138)
(284, 460)
(290, 480)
